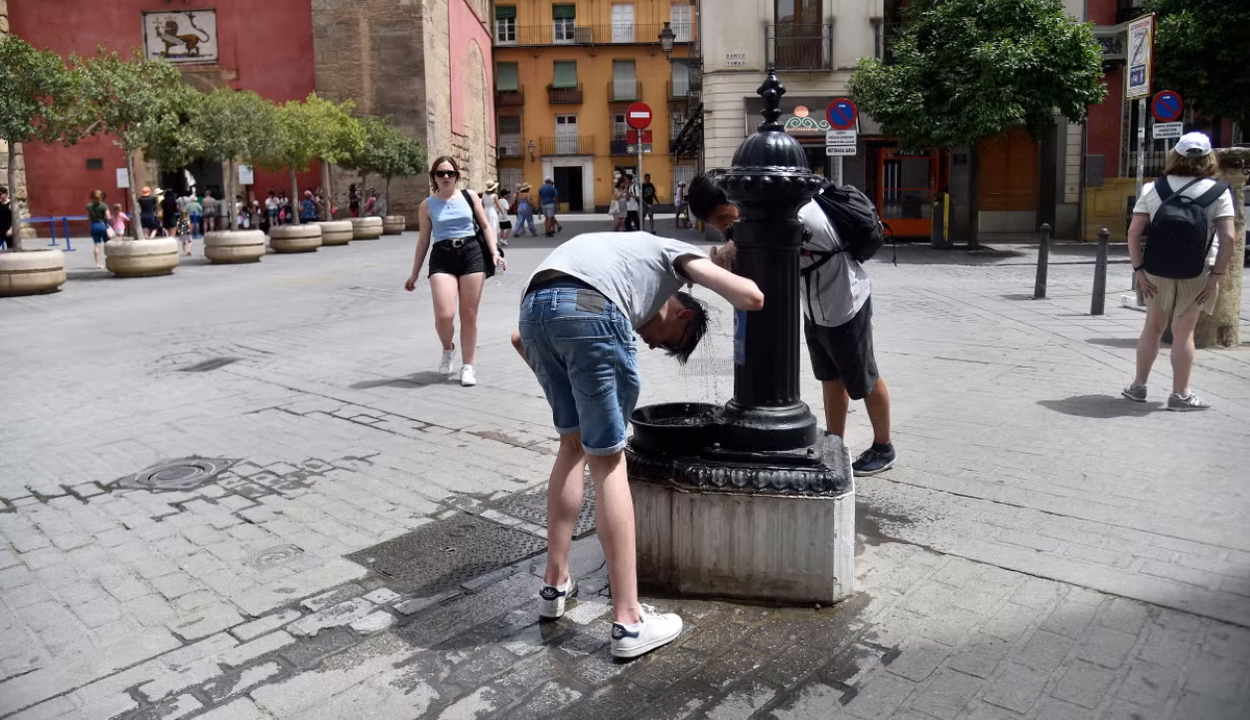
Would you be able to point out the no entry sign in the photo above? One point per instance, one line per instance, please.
(842, 114)
(1167, 106)
(638, 115)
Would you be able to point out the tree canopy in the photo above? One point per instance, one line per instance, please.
(1201, 51)
(313, 129)
(963, 70)
(35, 87)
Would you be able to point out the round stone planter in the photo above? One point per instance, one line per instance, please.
(31, 272)
(335, 232)
(368, 228)
(393, 224)
(234, 246)
(295, 238)
(141, 258)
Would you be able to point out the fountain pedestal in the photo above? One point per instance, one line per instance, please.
(748, 500)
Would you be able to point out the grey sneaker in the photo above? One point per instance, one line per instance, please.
(553, 598)
(1135, 392)
(1187, 404)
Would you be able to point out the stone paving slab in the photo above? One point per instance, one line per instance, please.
(1042, 550)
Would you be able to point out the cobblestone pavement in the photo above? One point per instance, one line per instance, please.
(1042, 550)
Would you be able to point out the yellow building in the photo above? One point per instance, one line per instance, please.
(564, 74)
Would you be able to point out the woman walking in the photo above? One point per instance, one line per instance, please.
(147, 212)
(98, 214)
(617, 209)
(505, 222)
(490, 203)
(524, 211)
(457, 263)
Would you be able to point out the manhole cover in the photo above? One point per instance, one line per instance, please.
(442, 555)
(272, 557)
(211, 364)
(532, 507)
(184, 474)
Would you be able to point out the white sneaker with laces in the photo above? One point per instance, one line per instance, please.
(448, 362)
(652, 631)
(554, 597)
(468, 378)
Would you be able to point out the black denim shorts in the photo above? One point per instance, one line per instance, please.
(457, 256)
(844, 352)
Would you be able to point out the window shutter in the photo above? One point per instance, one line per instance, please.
(505, 11)
(563, 12)
(565, 74)
(506, 76)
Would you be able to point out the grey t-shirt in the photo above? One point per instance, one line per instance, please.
(840, 287)
(635, 270)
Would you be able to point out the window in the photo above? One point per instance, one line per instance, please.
(505, 24)
(564, 74)
(681, 23)
(619, 127)
(677, 120)
(566, 134)
(797, 12)
(681, 79)
(507, 78)
(622, 23)
(562, 20)
(511, 177)
(682, 174)
(510, 136)
(624, 80)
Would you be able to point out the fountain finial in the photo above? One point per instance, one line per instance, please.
(771, 91)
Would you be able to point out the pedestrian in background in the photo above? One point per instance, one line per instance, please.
(308, 208)
(195, 211)
(549, 198)
(490, 203)
(169, 212)
(457, 263)
(631, 205)
(353, 200)
(119, 222)
(147, 212)
(618, 209)
(1190, 217)
(183, 230)
(505, 222)
(210, 211)
(98, 215)
(681, 209)
(6, 220)
(649, 199)
(524, 211)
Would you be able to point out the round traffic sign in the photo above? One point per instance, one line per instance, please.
(638, 115)
(1167, 106)
(842, 114)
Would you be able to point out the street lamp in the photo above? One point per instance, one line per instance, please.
(667, 36)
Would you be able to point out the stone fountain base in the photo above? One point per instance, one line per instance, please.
(752, 531)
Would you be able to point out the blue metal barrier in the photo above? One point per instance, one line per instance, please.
(52, 227)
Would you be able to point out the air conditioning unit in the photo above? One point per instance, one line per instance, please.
(584, 35)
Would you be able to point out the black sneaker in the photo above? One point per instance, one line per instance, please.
(875, 459)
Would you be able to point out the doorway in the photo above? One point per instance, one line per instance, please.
(207, 175)
(569, 185)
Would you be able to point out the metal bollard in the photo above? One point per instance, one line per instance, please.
(1096, 303)
(1043, 258)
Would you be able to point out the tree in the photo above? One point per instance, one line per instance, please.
(34, 105)
(143, 103)
(963, 70)
(237, 125)
(1201, 48)
(313, 129)
(401, 156)
(370, 157)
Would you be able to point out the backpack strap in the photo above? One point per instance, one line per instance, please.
(472, 210)
(1211, 195)
(1164, 189)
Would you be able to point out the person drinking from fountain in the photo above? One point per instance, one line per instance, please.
(580, 311)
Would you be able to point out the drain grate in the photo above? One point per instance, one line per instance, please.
(532, 507)
(441, 555)
(210, 364)
(272, 557)
(171, 475)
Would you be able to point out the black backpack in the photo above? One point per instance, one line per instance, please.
(855, 220)
(1180, 232)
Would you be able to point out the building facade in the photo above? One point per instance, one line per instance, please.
(565, 73)
(18, 192)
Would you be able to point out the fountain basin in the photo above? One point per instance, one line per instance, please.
(683, 428)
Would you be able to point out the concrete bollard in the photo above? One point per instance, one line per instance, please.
(1043, 259)
(1098, 301)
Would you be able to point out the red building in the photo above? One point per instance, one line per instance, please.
(266, 47)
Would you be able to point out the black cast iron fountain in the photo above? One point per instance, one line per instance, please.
(750, 499)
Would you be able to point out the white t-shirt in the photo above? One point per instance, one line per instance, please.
(679, 196)
(834, 292)
(631, 202)
(1149, 203)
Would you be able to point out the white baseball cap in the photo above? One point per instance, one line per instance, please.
(1194, 144)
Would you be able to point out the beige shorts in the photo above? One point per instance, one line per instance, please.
(1178, 297)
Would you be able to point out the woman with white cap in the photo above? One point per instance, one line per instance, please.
(1190, 219)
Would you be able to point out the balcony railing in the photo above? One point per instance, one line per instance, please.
(613, 34)
(620, 146)
(565, 96)
(679, 91)
(800, 47)
(510, 146)
(576, 145)
(510, 97)
(624, 91)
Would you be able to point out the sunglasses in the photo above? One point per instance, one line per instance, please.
(446, 173)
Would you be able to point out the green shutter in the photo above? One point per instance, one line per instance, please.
(565, 74)
(563, 12)
(506, 76)
(505, 11)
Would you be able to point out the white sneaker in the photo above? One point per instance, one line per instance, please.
(449, 358)
(553, 598)
(649, 633)
(468, 378)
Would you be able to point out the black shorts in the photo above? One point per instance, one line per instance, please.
(446, 257)
(505, 224)
(148, 222)
(844, 352)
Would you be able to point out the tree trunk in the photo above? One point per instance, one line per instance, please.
(15, 242)
(388, 193)
(135, 224)
(231, 208)
(1222, 327)
(295, 196)
(325, 185)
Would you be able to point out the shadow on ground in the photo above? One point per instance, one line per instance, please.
(415, 380)
(1125, 343)
(1103, 407)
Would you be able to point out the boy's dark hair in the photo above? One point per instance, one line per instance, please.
(705, 193)
(695, 331)
(4, 190)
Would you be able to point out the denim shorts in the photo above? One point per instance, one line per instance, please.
(581, 348)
